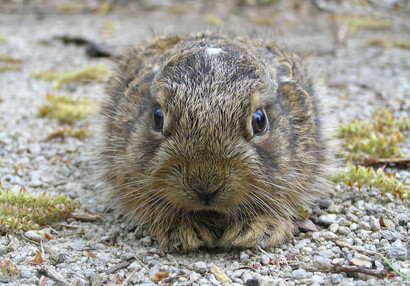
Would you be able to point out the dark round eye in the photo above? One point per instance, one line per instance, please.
(259, 122)
(158, 118)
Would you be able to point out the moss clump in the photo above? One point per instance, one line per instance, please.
(8, 63)
(262, 21)
(387, 43)
(363, 176)
(97, 72)
(402, 44)
(64, 132)
(25, 211)
(65, 108)
(212, 19)
(356, 23)
(379, 138)
(8, 268)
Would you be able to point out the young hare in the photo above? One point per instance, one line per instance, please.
(213, 141)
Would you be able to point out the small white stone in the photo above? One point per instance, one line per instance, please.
(300, 274)
(334, 227)
(321, 262)
(34, 235)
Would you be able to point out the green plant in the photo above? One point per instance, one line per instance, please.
(98, 72)
(26, 211)
(8, 267)
(356, 23)
(366, 176)
(65, 108)
(379, 138)
(64, 132)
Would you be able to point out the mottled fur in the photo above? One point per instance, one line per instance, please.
(209, 86)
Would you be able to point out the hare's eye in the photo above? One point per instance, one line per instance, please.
(158, 119)
(259, 122)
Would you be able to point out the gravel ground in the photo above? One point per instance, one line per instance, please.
(360, 78)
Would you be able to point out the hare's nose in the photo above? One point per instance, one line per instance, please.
(206, 197)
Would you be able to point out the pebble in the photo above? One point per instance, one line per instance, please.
(321, 262)
(265, 259)
(334, 227)
(327, 235)
(200, 267)
(34, 235)
(354, 226)
(213, 280)
(397, 252)
(327, 253)
(389, 235)
(3, 249)
(104, 257)
(327, 219)
(324, 203)
(301, 274)
(374, 223)
(146, 241)
(352, 217)
(246, 276)
(344, 230)
(316, 279)
(243, 256)
(134, 266)
(364, 225)
(26, 273)
(389, 224)
(238, 273)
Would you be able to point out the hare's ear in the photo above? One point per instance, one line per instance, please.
(294, 97)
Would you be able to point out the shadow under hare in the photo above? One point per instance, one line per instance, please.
(212, 141)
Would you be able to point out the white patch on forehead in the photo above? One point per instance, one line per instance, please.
(213, 51)
(155, 69)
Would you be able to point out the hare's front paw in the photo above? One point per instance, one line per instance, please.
(264, 231)
(186, 236)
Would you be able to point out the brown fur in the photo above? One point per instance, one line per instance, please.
(208, 97)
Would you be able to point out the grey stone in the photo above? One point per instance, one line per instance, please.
(389, 235)
(26, 274)
(344, 230)
(352, 217)
(34, 235)
(194, 276)
(317, 279)
(213, 280)
(374, 223)
(354, 226)
(300, 274)
(327, 219)
(327, 253)
(321, 262)
(200, 267)
(364, 225)
(265, 259)
(134, 265)
(398, 253)
(389, 224)
(146, 241)
(105, 257)
(243, 256)
(334, 227)
(238, 273)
